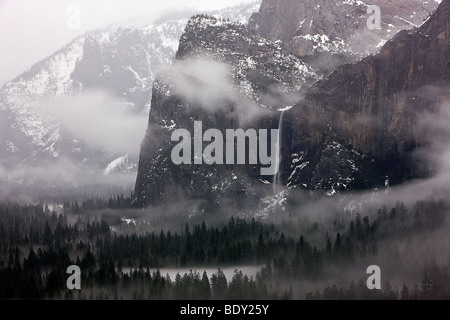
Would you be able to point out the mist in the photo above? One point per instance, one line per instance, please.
(99, 119)
(305, 240)
(432, 129)
(26, 182)
(208, 84)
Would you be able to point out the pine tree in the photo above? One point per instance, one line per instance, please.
(219, 285)
(404, 295)
(205, 287)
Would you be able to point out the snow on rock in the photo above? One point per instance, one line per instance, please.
(121, 164)
(120, 60)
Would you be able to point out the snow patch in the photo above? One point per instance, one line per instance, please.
(115, 164)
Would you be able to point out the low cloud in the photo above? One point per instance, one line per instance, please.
(25, 181)
(60, 172)
(208, 84)
(434, 130)
(202, 82)
(99, 120)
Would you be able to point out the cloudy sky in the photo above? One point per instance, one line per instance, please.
(31, 30)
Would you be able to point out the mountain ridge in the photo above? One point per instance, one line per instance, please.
(118, 63)
(373, 104)
(328, 33)
(322, 141)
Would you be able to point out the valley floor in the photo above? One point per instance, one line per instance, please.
(123, 253)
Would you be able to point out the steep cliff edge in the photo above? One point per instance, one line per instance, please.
(373, 106)
(228, 78)
(354, 129)
(328, 33)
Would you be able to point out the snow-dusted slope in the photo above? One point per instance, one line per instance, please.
(120, 62)
(228, 77)
(328, 33)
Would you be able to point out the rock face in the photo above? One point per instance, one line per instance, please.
(353, 129)
(256, 70)
(328, 33)
(121, 62)
(373, 106)
(118, 61)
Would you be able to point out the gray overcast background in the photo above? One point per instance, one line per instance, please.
(31, 30)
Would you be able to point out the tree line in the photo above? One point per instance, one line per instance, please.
(37, 245)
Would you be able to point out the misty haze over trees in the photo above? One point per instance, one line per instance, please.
(316, 260)
(86, 176)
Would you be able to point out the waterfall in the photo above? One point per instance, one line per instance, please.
(277, 177)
